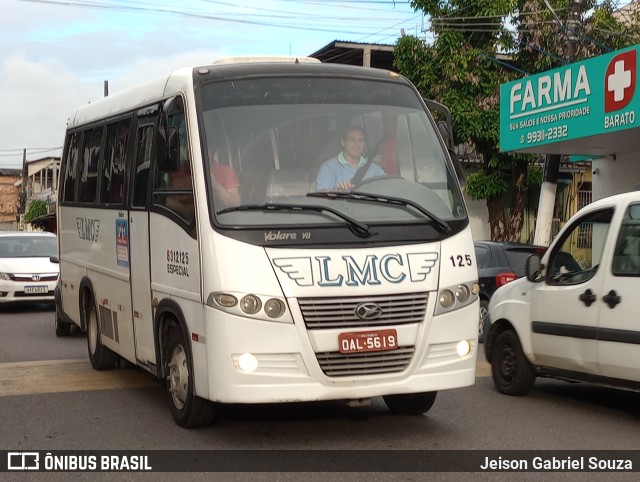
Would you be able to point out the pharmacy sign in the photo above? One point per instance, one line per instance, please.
(584, 99)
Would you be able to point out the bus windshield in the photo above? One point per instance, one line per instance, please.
(299, 142)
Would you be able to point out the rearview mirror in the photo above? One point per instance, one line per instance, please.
(168, 149)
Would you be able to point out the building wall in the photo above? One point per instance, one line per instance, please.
(615, 176)
(9, 202)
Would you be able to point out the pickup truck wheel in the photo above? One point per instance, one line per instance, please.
(511, 371)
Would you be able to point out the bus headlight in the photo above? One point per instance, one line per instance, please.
(446, 299)
(250, 304)
(451, 298)
(462, 293)
(274, 308)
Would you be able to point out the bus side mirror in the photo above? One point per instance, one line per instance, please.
(168, 149)
(534, 268)
(446, 133)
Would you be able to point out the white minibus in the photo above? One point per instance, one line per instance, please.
(260, 231)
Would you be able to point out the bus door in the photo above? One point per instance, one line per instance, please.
(140, 278)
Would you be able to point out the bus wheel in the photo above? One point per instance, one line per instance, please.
(410, 403)
(62, 328)
(188, 410)
(511, 371)
(100, 356)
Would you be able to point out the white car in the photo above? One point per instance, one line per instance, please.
(575, 315)
(26, 270)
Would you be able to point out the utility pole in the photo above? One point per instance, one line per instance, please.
(23, 187)
(548, 190)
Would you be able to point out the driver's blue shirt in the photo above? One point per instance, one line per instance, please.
(337, 169)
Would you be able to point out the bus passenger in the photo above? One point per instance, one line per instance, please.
(337, 173)
(226, 187)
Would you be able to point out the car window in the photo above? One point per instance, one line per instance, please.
(28, 246)
(626, 257)
(483, 256)
(517, 258)
(576, 256)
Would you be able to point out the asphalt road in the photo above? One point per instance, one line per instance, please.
(51, 399)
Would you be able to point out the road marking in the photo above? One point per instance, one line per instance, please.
(52, 376)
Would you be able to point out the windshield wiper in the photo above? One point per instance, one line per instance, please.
(361, 230)
(441, 225)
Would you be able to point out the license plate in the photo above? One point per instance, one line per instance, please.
(36, 290)
(365, 341)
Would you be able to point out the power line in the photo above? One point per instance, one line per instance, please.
(223, 17)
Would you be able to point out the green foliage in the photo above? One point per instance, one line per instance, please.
(483, 185)
(462, 69)
(534, 176)
(36, 209)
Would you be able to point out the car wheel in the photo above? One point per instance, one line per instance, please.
(511, 371)
(410, 403)
(482, 327)
(100, 356)
(188, 410)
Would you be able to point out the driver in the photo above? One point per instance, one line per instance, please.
(336, 173)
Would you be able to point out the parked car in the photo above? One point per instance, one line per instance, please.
(575, 314)
(26, 271)
(498, 264)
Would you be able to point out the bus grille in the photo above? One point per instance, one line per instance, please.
(326, 313)
(336, 364)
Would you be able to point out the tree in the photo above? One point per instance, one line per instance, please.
(460, 69)
(36, 209)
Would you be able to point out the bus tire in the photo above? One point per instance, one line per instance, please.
(410, 403)
(188, 410)
(62, 328)
(511, 371)
(100, 356)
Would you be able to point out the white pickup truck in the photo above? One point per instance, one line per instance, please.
(576, 315)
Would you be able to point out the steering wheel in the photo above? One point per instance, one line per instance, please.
(375, 179)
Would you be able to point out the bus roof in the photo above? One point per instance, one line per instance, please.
(182, 80)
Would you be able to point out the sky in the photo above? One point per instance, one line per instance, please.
(55, 55)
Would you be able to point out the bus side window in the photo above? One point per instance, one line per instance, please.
(144, 144)
(174, 189)
(115, 153)
(88, 184)
(71, 166)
